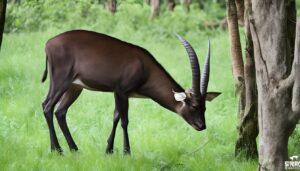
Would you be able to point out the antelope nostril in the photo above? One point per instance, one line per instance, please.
(200, 125)
(203, 127)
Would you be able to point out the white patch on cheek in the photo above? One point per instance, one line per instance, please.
(179, 96)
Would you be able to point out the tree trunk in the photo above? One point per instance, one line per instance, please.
(235, 44)
(291, 23)
(2, 18)
(248, 125)
(171, 5)
(245, 85)
(147, 2)
(200, 4)
(236, 55)
(277, 113)
(155, 7)
(186, 5)
(240, 5)
(112, 6)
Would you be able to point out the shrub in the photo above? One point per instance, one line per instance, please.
(131, 15)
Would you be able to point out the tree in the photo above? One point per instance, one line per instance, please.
(155, 7)
(112, 6)
(171, 5)
(2, 18)
(240, 5)
(248, 123)
(278, 80)
(244, 77)
(186, 5)
(147, 2)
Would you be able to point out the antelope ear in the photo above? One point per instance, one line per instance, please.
(211, 95)
(180, 97)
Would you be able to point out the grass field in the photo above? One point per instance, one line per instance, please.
(160, 140)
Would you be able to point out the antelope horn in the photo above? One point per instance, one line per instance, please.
(205, 74)
(194, 64)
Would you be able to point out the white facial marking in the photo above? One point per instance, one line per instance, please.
(180, 97)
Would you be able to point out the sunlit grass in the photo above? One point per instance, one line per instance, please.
(160, 140)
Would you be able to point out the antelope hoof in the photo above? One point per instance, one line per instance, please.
(127, 152)
(74, 150)
(58, 150)
(109, 151)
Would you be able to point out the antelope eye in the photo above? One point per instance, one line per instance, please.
(193, 107)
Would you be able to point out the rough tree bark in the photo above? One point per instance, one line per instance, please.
(2, 18)
(245, 84)
(240, 5)
(112, 6)
(248, 125)
(291, 23)
(171, 5)
(278, 87)
(155, 7)
(236, 55)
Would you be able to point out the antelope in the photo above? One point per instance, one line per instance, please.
(81, 59)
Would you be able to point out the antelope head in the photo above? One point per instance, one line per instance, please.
(193, 106)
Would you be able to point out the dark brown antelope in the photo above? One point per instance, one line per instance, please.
(84, 59)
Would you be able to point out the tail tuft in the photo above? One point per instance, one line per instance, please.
(46, 71)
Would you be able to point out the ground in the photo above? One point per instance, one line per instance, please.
(160, 139)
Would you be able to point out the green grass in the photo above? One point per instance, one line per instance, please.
(160, 140)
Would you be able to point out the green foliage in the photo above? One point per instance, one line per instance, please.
(295, 142)
(298, 7)
(39, 15)
(43, 14)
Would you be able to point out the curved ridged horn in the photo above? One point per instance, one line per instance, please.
(205, 74)
(194, 64)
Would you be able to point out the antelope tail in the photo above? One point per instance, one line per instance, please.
(46, 71)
